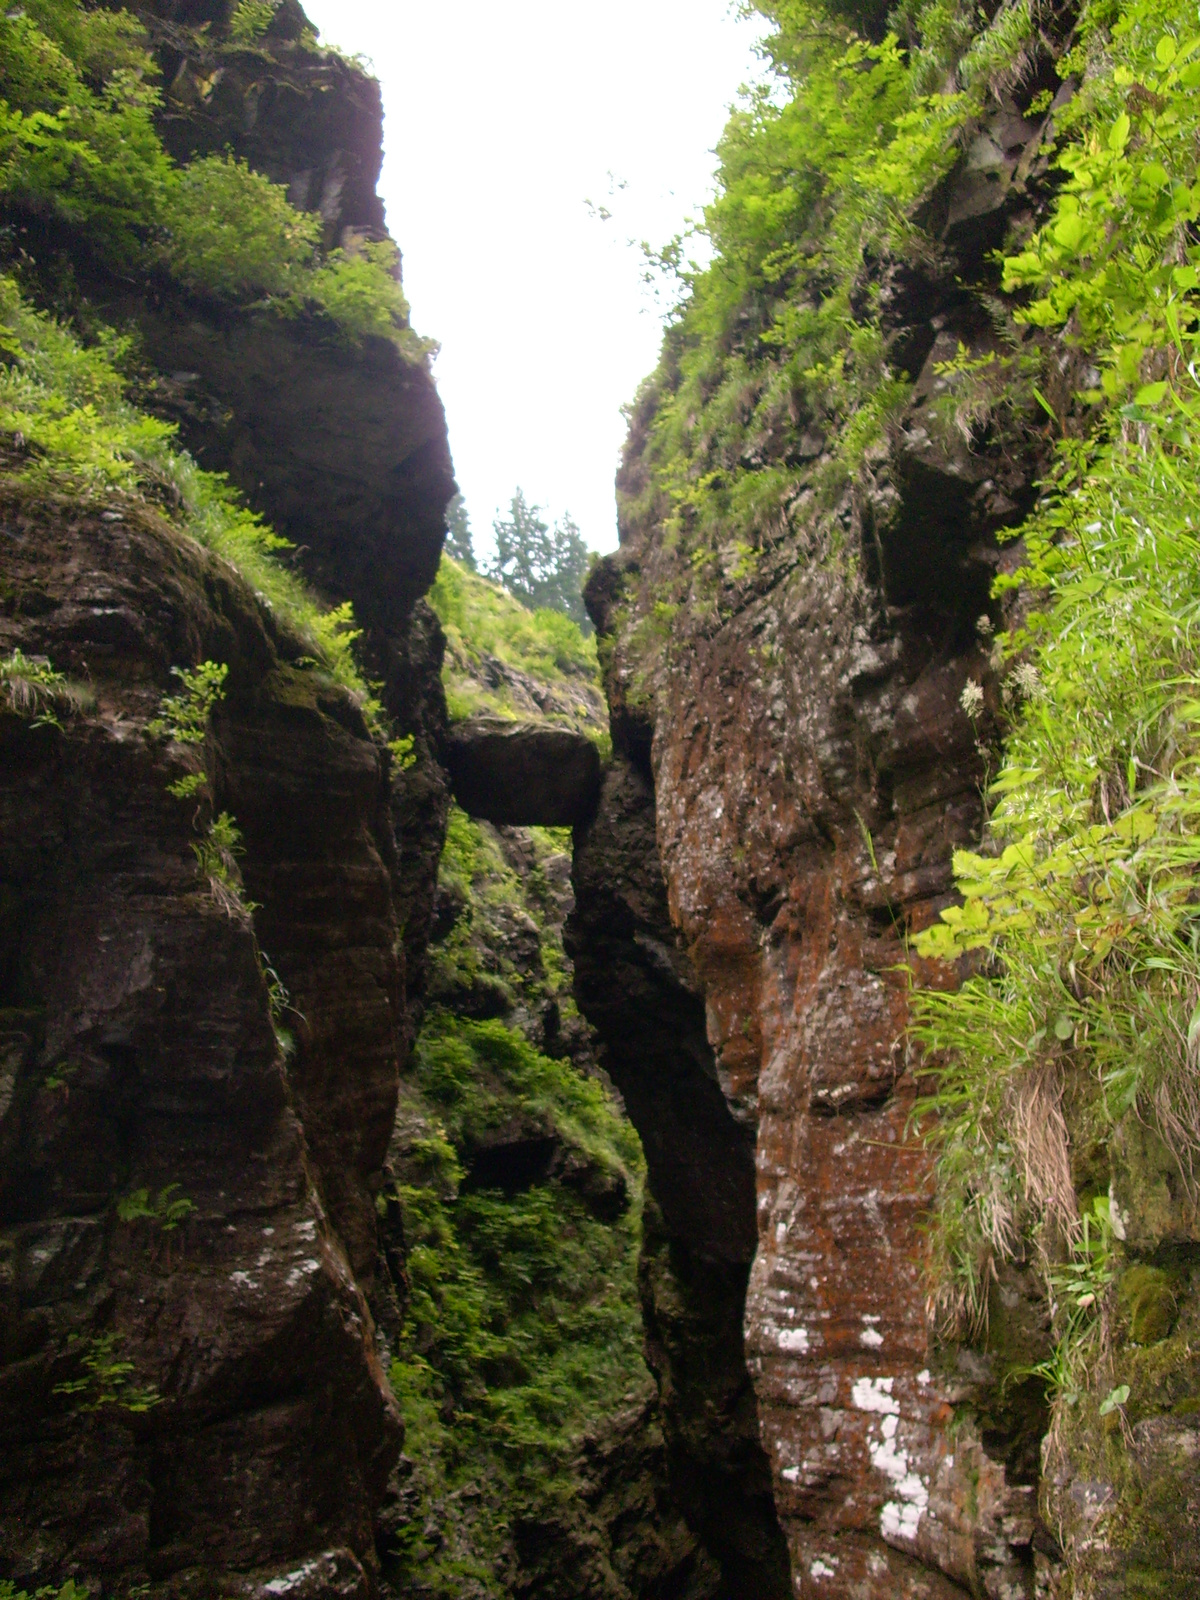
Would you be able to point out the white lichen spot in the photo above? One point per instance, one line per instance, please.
(1117, 1216)
(790, 1474)
(242, 1280)
(793, 1339)
(899, 1518)
(304, 1270)
(290, 1580)
(871, 1338)
(874, 1394)
(923, 1377)
(821, 1567)
(306, 1229)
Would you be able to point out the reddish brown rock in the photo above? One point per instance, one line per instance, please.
(809, 770)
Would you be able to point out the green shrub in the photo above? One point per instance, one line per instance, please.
(1080, 913)
(67, 402)
(77, 135)
(78, 139)
(232, 232)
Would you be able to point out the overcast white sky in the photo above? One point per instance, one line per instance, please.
(501, 121)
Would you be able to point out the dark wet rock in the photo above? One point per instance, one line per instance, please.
(142, 1055)
(529, 774)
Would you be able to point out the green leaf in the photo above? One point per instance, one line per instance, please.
(1064, 1027)
(1118, 134)
(1164, 50)
(1117, 1397)
(1069, 230)
(1155, 175)
(1151, 394)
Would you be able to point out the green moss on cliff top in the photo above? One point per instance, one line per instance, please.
(72, 432)
(505, 660)
(79, 144)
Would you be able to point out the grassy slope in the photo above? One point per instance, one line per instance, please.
(504, 660)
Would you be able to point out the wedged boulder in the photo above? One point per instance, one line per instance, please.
(522, 774)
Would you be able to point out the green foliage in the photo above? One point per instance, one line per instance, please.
(230, 231)
(1079, 916)
(216, 855)
(249, 19)
(543, 567)
(482, 619)
(166, 1208)
(78, 140)
(67, 402)
(106, 1379)
(360, 291)
(184, 717)
(76, 132)
(403, 754)
(771, 347)
(1117, 261)
(36, 691)
(67, 1592)
(522, 1323)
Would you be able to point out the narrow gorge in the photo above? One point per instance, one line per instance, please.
(704, 1109)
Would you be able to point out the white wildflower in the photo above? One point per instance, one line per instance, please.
(971, 699)
(984, 626)
(1027, 681)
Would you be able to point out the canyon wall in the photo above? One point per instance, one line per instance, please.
(193, 1399)
(793, 771)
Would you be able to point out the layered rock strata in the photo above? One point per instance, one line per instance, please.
(196, 1408)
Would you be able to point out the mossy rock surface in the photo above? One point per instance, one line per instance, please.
(1147, 1294)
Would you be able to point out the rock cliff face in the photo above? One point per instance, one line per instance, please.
(197, 1406)
(792, 774)
(140, 1055)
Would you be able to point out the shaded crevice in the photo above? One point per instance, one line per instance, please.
(636, 986)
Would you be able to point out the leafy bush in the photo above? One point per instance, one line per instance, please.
(77, 135)
(78, 139)
(67, 402)
(360, 291)
(1080, 914)
(230, 231)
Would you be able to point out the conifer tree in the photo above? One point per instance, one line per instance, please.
(538, 564)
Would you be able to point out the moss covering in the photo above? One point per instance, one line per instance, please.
(517, 1181)
(505, 660)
